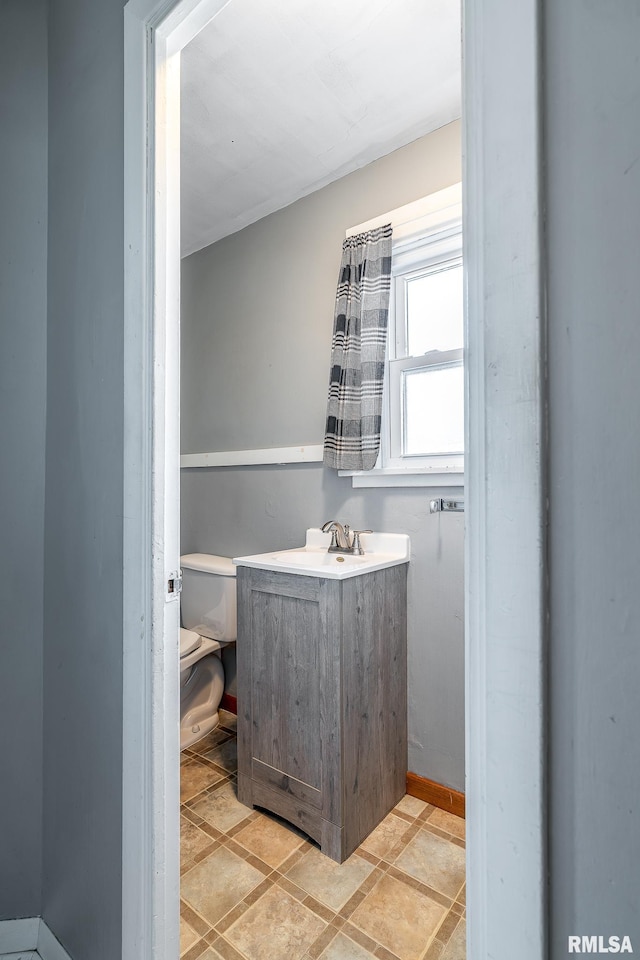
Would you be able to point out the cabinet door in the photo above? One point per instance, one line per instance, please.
(289, 673)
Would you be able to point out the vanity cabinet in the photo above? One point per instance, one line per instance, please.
(322, 700)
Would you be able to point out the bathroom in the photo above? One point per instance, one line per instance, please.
(257, 310)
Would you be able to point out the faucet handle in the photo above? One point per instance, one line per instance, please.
(357, 546)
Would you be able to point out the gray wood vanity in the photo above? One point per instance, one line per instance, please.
(322, 699)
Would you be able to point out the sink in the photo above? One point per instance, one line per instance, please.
(313, 560)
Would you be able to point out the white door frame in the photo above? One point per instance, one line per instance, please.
(506, 478)
(506, 599)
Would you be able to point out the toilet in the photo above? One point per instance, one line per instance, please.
(208, 614)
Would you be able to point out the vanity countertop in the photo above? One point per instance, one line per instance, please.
(313, 559)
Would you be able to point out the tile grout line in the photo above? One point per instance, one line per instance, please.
(334, 921)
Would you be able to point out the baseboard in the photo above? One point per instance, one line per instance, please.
(436, 793)
(17, 935)
(29, 939)
(229, 703)
(49, 947)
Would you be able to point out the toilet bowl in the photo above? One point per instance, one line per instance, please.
(208, 613)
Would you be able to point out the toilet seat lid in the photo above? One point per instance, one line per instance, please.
(189, 641)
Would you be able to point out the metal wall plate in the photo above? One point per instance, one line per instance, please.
(447, 505)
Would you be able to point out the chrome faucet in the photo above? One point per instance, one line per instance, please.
(340, 540)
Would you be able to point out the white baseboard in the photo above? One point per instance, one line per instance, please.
(29, 939)
(17, 935)
(50, 948)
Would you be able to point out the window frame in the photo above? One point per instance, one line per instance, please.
(397, 371)
(417, 252)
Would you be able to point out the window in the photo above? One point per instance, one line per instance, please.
(423, 410)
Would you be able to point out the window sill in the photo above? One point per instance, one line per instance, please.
(405, 478)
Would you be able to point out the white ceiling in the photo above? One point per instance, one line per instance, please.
(280, 97)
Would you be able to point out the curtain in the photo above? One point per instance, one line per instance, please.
(354, 409)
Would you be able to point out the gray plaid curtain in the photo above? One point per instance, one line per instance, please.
(352, 437)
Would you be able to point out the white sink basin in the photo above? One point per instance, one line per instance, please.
(313, 560)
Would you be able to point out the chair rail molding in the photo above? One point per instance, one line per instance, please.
(309, 453)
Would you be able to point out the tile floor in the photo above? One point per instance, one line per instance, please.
(255, 888)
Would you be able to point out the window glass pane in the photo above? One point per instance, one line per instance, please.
(434, 312)
(434, 411)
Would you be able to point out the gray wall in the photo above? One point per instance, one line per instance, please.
(257, 317)
(83, 527)
(257, 307)
(23, 306)
(593, 211)
(254, 509)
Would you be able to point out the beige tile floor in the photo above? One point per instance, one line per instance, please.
(255, 888)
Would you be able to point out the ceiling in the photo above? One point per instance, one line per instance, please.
(280, 97)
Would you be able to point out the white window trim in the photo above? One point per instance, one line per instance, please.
(438, 216)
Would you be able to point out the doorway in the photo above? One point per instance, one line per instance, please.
(509, 718)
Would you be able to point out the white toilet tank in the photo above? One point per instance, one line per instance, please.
(208, 600)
